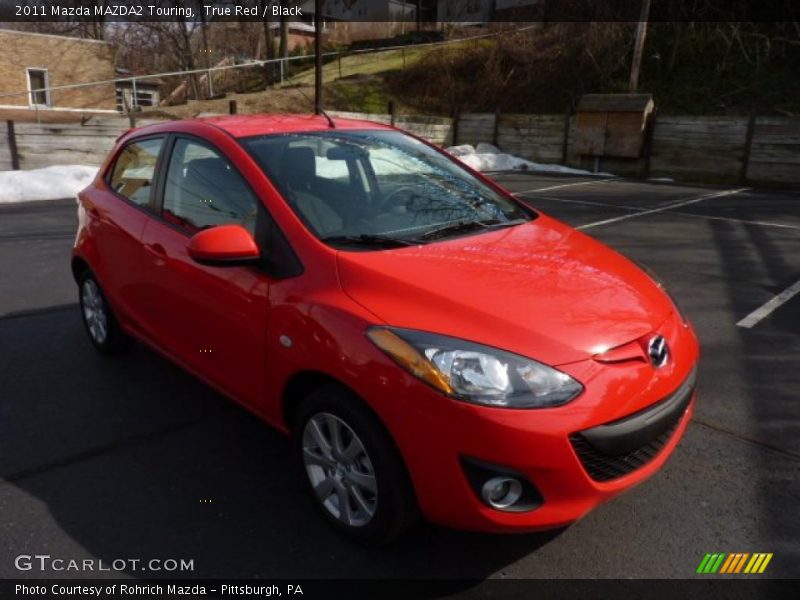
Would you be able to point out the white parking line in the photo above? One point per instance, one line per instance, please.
(587, 203)
(735, 220)
(563, 185)
(766, 309)
(682, 214)
(665, 207)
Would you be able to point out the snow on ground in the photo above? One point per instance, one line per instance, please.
(49, 183)
(66, 181)
(487, 157)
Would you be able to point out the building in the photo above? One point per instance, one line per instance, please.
(515, 10)
(482, 11)
(464, 11)
(346, 21)
(138, 93)
(32, 64)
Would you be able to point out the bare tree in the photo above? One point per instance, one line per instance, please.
(638, 46)
(269, 40)
(283, 50)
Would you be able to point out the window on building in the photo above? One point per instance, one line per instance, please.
(126, 100)
(38, 84)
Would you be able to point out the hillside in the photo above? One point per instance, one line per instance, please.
(706, 68)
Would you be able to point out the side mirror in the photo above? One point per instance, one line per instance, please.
(224, 246)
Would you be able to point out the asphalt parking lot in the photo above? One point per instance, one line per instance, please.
(118, 458)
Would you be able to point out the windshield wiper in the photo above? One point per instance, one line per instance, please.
(462, 226)
(368, 239)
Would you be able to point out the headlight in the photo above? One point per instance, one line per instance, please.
(476, 373)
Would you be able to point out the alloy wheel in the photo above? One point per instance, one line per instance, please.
(340, 470)
(94, 311)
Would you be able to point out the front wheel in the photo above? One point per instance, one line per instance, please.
(101, 326)
(352, 467)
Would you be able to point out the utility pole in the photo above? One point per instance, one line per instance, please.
(317, 57)
(638, 47)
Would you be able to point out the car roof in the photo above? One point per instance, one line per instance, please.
(263, 124)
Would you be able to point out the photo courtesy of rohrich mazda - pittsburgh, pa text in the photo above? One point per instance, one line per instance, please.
(435, 347)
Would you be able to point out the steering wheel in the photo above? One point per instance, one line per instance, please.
(400, 197)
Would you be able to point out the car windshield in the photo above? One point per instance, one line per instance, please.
(379, 189)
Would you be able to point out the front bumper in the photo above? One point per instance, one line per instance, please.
(612, 450)
(618, 433)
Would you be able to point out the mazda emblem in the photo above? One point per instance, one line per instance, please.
(658, 351)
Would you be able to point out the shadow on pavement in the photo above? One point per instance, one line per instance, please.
(133, 458)
(769, 367)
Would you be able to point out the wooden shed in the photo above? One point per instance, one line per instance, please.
(612, 126)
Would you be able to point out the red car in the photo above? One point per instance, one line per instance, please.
(431, 343)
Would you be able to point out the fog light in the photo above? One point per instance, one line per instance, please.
(501, 492)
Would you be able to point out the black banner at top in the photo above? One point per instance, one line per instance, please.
(428, 11)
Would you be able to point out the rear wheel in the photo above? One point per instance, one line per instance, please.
(352, 467)
(101, 326)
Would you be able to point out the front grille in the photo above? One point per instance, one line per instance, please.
(602, 467)
(615, 449)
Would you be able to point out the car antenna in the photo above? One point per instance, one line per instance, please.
(331, 124)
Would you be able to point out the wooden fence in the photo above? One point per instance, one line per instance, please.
(744, 149)
(42, 145)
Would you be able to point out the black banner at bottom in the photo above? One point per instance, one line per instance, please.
(583, 589)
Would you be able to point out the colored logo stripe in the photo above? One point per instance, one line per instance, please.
(734, 563)
(711, 563)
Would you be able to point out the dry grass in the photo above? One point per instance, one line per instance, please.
(300, 99)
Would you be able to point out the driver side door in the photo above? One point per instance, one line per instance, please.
(210, 319)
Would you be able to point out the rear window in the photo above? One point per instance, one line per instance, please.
(132, 175)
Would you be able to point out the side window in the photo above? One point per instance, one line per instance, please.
(203, 190)
(132, 175)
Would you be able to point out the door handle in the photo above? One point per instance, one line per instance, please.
(159, 252)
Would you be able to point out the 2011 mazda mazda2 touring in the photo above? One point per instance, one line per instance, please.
(430, 342)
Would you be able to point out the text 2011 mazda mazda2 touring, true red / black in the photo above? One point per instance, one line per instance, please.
(431, 343)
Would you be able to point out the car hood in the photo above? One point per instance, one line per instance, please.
(541, 289)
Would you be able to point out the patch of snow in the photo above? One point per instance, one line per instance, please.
(662, 179)
(50, 183)
(487, 157)
(462, 150)
(484, 148)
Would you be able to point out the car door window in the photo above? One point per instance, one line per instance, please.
(132, 176)
(203, 190)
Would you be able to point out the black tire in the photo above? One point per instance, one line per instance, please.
(395, 507)
(113, 341)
